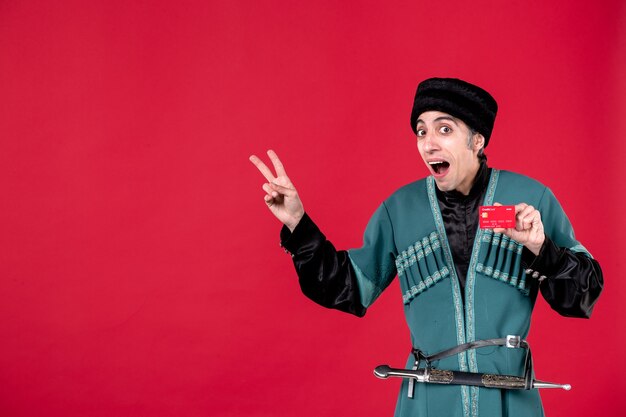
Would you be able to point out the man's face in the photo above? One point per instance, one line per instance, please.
(442, 141)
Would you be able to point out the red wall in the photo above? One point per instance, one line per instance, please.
(140, 272)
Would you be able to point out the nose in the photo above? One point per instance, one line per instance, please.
(429, 142)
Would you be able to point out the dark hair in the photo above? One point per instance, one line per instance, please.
(481, 152)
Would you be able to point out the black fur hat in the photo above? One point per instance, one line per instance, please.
(458, 98)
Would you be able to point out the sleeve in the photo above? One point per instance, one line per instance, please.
(570, 279)
(326, 275)
(375, 262)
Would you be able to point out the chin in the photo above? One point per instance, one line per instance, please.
(444, 186)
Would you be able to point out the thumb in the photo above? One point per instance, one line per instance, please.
(289, 192)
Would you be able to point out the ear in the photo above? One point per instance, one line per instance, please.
(479, 141)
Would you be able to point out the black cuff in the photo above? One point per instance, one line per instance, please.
(304, 232)
(548, 260)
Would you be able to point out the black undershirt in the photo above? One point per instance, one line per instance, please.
(460, 218)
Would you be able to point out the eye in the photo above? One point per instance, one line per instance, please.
(445, 130)
(421, 133)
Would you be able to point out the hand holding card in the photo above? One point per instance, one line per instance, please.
(527, 227)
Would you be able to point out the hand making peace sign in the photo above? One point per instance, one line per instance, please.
(281, 198)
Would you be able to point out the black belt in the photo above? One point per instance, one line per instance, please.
(514, 342)
(509, 341)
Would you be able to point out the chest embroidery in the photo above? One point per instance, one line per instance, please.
(421, 266)
(501, 258)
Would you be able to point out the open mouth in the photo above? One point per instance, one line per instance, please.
(439, 167)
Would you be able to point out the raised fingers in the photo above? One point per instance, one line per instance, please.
(278, 166)
(267, 173)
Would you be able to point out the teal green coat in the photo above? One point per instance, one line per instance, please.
(406, 237)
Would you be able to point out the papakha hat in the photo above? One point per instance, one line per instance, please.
(470, 103)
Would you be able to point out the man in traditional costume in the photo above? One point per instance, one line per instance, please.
(460, 283)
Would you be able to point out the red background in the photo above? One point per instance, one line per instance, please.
(140, 272)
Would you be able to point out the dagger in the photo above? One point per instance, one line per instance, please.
(440, 376)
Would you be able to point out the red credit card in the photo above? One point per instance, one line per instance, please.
(496, 216)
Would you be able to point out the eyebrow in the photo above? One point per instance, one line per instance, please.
(438, 119)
